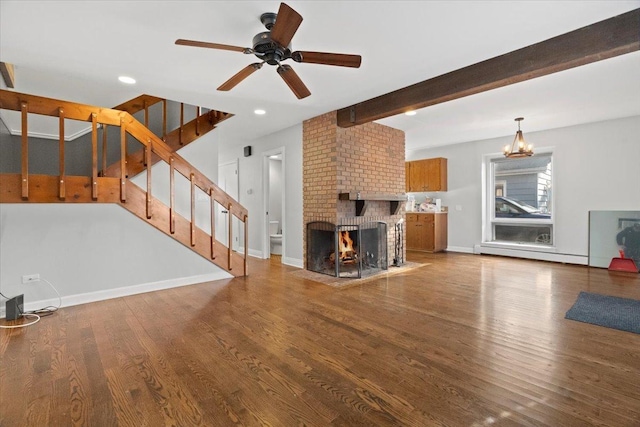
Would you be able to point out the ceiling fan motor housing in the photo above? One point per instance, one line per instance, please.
(268, 50)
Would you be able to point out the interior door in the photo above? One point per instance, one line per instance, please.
(228, 182)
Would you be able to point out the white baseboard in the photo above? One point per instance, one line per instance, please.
(541, 256)
(460, 249)
(294, 262)
(256, 253)
(88, 297)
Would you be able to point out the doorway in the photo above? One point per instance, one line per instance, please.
(274, 179)
(228, 182)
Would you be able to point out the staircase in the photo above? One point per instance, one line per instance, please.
(112, 183)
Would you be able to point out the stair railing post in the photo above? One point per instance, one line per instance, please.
(61, 185)
(246, 242)
(25, 151)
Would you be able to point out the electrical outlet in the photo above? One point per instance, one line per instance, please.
(28, 278)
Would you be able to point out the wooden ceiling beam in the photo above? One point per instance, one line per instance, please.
(605, 39)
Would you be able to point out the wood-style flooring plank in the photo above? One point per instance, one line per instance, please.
(464, 340)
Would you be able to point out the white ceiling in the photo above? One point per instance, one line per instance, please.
(75, 51)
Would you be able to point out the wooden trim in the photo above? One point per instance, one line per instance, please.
(61, 186)
(25, 150)
(123, 160)
(193, 209)
(172, 197)
(148, 197)
(602, 40)
(94, 155)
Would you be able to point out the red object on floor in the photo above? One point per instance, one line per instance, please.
(623, 264)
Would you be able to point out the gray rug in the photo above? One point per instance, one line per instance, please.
(607, 311)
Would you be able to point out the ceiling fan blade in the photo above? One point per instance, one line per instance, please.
(195, 43)
(240, 76)
(293, 81)
(286, 25)
(339, 59)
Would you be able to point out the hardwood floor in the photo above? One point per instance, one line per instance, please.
(468, 340)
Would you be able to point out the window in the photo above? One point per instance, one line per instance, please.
(520, 209)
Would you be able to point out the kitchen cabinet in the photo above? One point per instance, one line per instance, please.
(426, 175)
(427, 231)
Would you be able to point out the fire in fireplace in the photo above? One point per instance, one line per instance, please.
(351, 251)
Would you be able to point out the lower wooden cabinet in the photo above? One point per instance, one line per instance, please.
(427, 231)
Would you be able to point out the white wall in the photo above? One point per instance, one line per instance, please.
(251, 188)
(597, 167)
(92, 252)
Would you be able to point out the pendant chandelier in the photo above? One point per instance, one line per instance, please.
(519, 148)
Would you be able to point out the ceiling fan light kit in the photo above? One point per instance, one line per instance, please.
(274, 46)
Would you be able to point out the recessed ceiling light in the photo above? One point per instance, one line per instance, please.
(259, 112)
(127, 80)
(410, 113)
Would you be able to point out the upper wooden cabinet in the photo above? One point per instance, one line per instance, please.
(426, 175)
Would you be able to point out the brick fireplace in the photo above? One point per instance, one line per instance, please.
(366, 162)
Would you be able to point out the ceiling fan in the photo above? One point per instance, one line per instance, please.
(273, 47)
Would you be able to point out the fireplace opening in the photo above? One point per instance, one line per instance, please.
(350, 251)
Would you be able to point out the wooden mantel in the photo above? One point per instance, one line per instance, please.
(362, 200)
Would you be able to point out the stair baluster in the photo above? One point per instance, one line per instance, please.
(94, 156)
(230, 242)
(213, 220)
(172, 196)
(193, 209)
(104, 150)
(61, 184)
(148, 159)
(123, 159)
(25, 151)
